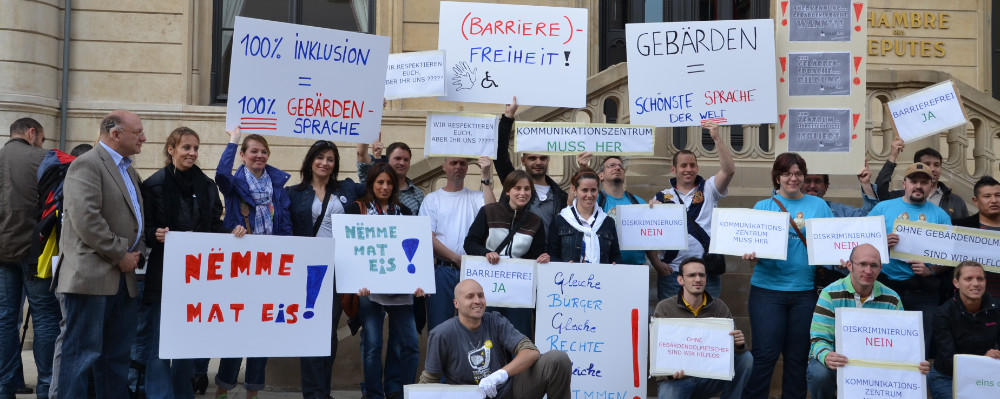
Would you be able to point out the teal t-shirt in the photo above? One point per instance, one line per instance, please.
(898, 209)
(629, 257)
(794, 273)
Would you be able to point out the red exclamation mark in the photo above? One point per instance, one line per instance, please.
(784, 63)
(857, 15)
(635, 348)
(781, 125)
(857, 64)
(856, 118)
(784, 7)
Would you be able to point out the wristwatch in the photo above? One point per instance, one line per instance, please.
(487, 182)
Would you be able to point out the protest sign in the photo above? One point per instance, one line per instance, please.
(700, 347)
(595, 314)
(854, 381)
(738, 231)
(386, 254)
(497, 51)
(417, 74)
(664, 226)
(976, 377)
(461, 135)
(508, 284)
(441, 391)
(574, 138)
(819, 130)
(255, 296)
(819, 20)
(704, 83)
(946, 245)
(307, 82)
(830, 240)
(928, 111)
(820, 74)
(880, 335)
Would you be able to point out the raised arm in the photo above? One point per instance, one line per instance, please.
(504, 164)
(727, 166)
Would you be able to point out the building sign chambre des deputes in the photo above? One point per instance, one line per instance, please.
(902, 23)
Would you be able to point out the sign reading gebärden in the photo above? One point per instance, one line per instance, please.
(946, 245)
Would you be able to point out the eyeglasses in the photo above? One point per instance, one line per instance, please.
(866, 264)
(614, 166)
(139, 133)
(796, 174)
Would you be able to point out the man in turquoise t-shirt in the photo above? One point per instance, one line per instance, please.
(612, 174)
(914, 281)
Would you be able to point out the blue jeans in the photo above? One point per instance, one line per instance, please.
(441, 305)
(822, 380)
(925, 301)
(96, 335)
(229, 369)
(666, 286)
(520, 318)
(140, 348)
(165, 378)
(705, 388)
(403, 353)
(317, 371)
(15, 282)
(201, 366)
(939, 385)
(780, 322)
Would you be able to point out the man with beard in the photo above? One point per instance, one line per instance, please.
(939, 195)
(612, 194)
(986, 197)
(914, 281)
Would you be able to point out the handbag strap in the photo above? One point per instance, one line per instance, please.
(791, 221)
(245, 211)
(322, 213)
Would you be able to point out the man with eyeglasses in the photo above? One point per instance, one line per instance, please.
(101, 249)
(939, 194)
(860, 289)
(612, 174)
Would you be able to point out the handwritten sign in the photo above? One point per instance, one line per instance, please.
(739, 231)
(418, 74)
(681, 73)
(574, 138)
(946, 245)
(239, 297)
(662, 227)
(441, 391)
(819, 130)
(976, 377)
(875, 382)
(830, 240)
(386, 254)
(596, 315)
(700, 347)
(461, 135)
(820, 74)
(508, 284)
(880, 335)
(307, 82)
(819, 20)
(927, 111)
(497, 51)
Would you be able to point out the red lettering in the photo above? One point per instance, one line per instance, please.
(214, 260)
(192, 268)
(215, 313)
(283, 269)
(540, 29)
(873, 341)
(236, 308)
(264, 263)
(651, 232)
(554, 29)
(290, 317)
(265, 312)
(240, 263)
(194, 310)
(474, 23)
(845, 245)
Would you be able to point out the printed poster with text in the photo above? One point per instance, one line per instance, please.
(307, 82)
(255, 296)
(681, 73)
(595, 314)
(497, 51)
(387, 254)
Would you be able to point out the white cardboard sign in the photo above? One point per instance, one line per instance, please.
(873, 382)
(830, 240)
(497, 51)
(255, 296)
(508, 284)
(927, 111)
(441, 391)
(461, 135)
(418, 74)
(976, 377)
(662, 227)
(880, 335)
(700, 347)
(681, 73)
(386, 254)
(573, 138)
(595, 314)
(946, 245)
(737, 231)
(301, 81)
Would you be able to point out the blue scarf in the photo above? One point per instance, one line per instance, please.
(262, 191)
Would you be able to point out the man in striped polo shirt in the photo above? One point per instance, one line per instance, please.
(858, 290)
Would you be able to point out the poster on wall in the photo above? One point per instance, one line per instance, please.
(819, 130)
(819, 74)
(819, 20)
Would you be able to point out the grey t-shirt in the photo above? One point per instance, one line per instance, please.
(466, 356)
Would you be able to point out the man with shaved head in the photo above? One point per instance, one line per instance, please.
(474, 348)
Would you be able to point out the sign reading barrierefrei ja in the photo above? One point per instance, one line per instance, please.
(508, 284)
(830, 240)
(884, 349)
(574, 138)
(737, 231)
(700, 347)
(928, 111)
(976, 377)
(417, 74)
(387, 254)
(302, 81)
(461, 135)
(946, 245)
(662, 227)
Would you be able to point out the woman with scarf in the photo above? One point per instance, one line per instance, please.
(382, 198)
(506, 229)
(583, 232)
(255, 199)
(178, 197)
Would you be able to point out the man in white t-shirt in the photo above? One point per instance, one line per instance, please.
(699, 197)
(451, 210)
